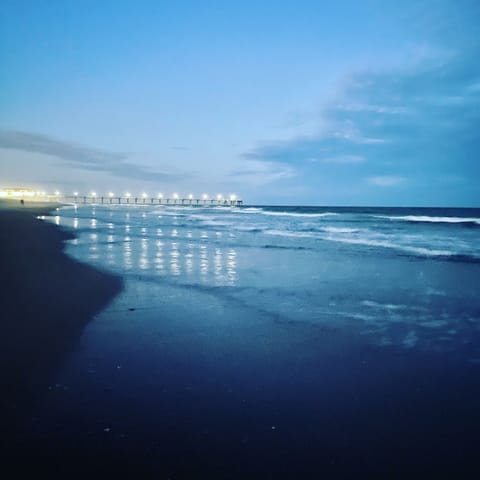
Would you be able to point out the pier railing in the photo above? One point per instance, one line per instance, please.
(140, 200)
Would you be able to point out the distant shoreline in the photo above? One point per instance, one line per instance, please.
(46, 300)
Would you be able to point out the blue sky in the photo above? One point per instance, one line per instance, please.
(305, 102)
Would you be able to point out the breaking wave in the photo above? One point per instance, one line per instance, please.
(428, 219)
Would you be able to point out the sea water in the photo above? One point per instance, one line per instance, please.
(396, 276)
(273, 342)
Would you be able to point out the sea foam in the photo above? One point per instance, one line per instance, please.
(427, 219)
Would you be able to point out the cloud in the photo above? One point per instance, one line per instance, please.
(257, 172)
(362, 107)
(82, 157)
(385, 181)
(418, 121)
(344, 159)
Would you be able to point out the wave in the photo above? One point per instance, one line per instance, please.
(383, 243)
(216, 223)
(416, 251)
(392, 306)
(283, 247)
(428, 219)
(292, 214)
(286, 233)
(249, 210)
(246, 228)
(339, 230)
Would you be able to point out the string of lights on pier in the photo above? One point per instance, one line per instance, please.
(94, 197)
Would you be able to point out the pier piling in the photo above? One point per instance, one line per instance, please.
(195, 202)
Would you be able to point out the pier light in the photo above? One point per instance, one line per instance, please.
(205, 196)
(160, 195)
(75, 193)
(190, 196)
(128, 194)
(233, 197)
(93, 194)
(111, 194)
(57, 193)
(219, 197)
(144, 195)
(175, 196)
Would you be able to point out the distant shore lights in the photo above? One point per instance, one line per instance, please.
(19, 193)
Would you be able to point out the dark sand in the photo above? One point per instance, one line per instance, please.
(46, 298)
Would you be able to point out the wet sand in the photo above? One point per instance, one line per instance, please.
(46, 300)
(154, 393)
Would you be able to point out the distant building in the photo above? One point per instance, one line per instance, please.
(19, 193)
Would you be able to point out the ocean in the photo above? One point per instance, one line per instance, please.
(261, 341)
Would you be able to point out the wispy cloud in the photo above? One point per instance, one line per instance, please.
(417, 121)
(258, 172)
(340, 159)
(82, 157)
(385, 181)
(362, 107)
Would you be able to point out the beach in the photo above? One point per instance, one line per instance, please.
(252, 343)
(46, 300)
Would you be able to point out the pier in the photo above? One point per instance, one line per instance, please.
(111, 198)
(146, 200)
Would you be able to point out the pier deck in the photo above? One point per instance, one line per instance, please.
(140, 200)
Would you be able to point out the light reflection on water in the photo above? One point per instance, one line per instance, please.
(176, 252)
(144, 263)
(174, 264)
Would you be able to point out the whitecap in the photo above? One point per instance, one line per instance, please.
(386, 244)
(387, 306)
(286, 233)
(428, 219)
(339, 230)
(293, 214)
(249, 210)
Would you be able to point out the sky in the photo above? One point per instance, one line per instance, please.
(304, 102)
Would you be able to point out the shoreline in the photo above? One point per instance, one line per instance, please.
(47, 298)
(179, 382)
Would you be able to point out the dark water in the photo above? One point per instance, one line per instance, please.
(269, 342)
